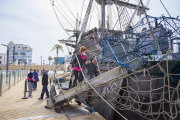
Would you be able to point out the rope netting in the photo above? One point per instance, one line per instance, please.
(143, 43)
(150, 88)
(150, 95)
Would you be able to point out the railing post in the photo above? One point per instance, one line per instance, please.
(1, 83)
(25, 89)
(14, 77)
(9, 80)
(18, 76)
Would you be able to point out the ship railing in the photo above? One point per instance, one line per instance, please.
(138, 42)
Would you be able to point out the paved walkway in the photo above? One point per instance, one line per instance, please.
(13, 107)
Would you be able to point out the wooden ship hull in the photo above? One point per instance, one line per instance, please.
(139, 68)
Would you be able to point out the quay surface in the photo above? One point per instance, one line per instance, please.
(13, 107)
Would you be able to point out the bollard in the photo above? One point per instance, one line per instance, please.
(9, 80)
(1, 83)
(25, 87)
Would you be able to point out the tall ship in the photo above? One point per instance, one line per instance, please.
(137, 55)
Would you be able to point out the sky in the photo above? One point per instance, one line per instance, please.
(33, 22)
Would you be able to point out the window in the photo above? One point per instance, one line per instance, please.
(0, 61)
(0, 57)
(16, 53)
(22, 54)
(22, 60)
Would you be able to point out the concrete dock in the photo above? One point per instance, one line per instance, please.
(13, 107)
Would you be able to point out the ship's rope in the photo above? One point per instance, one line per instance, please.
(64, 12)
(152, 96)
(68, 8)
(136, 99)
(168, 12)
(58, 18)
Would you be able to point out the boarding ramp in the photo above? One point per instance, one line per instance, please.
(85, 86)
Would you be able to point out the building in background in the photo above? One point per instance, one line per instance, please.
(64, 60)
(19, 54)
(2, 59)
(61, 60)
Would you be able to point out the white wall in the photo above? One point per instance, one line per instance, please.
(66, 64)
(67, 57)
(3, 60)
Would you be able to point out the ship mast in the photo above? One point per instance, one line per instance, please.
(102, 18)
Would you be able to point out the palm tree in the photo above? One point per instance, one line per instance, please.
(57, 48)
(50, 58)
(55, 59)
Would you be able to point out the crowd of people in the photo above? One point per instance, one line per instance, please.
(79, 61)
(32, 83)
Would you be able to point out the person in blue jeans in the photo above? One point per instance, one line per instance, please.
(45, 85)
(35, 76)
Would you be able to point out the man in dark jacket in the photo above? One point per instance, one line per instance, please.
(45, 85)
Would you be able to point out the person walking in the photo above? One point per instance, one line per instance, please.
(92, 68)
(45, 85)
(30, 82)
(36, 78)
(75, 65)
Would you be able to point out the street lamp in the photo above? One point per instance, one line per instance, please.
(43, 64)
(7, 64)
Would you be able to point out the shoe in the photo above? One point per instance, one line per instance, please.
(47, 97)
(30, 96)
(40, 98)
